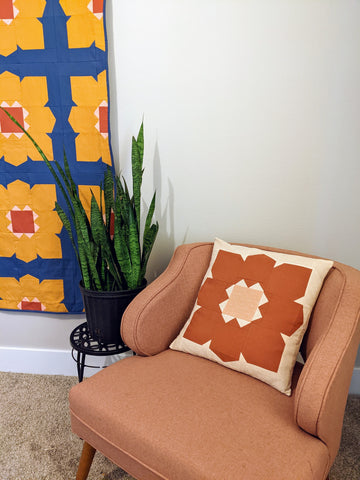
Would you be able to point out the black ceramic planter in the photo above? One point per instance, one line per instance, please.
(104, 311)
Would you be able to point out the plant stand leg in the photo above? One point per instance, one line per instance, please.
(80, 364)
(85, 462)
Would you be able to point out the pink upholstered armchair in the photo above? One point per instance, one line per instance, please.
(164, 414)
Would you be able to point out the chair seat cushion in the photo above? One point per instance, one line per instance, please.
(180, 417)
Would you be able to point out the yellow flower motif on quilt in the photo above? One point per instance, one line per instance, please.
(28, 224)
(20, 26)
(30, 294)
(90, 118)
(25, 100)
(85, 25)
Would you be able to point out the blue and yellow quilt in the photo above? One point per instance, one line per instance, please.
(54, 81)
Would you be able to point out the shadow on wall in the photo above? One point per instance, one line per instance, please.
(165, 242)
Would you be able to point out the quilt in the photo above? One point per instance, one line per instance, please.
(54, 81)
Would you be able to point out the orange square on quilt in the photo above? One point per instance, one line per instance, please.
(98, 6)
(22, 221)
(7, 125)
(6, 10)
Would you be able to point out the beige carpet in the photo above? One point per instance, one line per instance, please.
(36, 442)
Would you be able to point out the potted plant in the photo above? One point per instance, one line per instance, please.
(112, 264)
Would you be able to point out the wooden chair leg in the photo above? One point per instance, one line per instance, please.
(85, 462)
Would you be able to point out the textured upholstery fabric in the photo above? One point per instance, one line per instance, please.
(332, 343)
(175, 416)
(185, 417)
(152, 323)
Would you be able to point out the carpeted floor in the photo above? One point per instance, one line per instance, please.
(37, 443)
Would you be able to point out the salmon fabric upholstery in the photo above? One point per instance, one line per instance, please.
(252, 311)
(177, 416)
(332, 343)
(169, 415)
(149, 325)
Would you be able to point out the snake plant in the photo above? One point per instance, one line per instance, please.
(107, 261)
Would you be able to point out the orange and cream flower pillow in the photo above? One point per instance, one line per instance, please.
(252, 311)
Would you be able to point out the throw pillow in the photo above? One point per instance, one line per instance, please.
(252, 311)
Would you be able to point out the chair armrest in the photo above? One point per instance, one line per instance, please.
(157, 314)
(322, 390)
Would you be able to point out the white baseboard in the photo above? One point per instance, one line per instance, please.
(49, 362)
(355, 382)
(60, 362)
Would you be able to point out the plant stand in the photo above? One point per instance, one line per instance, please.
(82, 342)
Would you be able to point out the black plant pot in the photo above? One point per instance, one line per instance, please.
(104, 311)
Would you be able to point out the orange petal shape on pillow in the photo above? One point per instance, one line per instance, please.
(260, 341)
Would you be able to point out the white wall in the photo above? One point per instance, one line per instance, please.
(252, 115)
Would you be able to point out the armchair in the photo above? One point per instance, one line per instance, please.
(164, 414)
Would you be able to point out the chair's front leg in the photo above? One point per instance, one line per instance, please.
(85, 462)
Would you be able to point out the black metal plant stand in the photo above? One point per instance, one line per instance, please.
(84, 344)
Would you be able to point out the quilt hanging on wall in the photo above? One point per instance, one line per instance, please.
(54, 81)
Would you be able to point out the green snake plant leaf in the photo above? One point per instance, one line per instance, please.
(109, 197)
(96, 221)
(148, 243)
(122, 201)
(149, 236)
(103, 272)
(140, 142)
(134, 249)
(94, 252)
(150, 214)
(65, 175)
(85, 264)
(122, 253)
(70, 186)
(137, 172)
(123, 214)
(127, 198)
(70, 182)
(84, 240)
(102, 240)
(67, 225)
